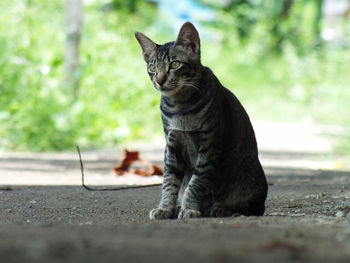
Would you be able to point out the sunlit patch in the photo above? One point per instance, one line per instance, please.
(45, 70)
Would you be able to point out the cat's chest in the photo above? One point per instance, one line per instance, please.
(194, 118)
(186, 143)
(186, 123)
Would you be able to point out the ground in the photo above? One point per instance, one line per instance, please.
(46, 216)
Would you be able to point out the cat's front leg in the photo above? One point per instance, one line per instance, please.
(198, 187)
(167, 208)
(173, 175)
(193, 196)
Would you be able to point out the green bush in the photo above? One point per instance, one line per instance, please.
(116, 101)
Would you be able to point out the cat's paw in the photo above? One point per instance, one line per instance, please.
(189, 213)
(161, 213)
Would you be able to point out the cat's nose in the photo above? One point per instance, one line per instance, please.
(161, 78)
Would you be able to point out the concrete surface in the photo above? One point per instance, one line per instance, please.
(46, 216)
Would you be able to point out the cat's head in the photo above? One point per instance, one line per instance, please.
(173, 67)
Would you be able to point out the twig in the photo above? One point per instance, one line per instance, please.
(6, 188)
(106, 189)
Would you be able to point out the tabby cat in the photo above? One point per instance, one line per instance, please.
(211, 158)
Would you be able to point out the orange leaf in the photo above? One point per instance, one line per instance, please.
(128, 159)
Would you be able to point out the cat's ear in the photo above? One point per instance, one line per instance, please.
(188, 38)
(147, 45)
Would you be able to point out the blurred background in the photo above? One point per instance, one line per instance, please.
(71, 72)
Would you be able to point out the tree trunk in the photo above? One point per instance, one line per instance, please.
(73, 24)
(280, 16)
(318, 23)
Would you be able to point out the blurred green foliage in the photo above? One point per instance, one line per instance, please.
(270, 55)
(116, 100)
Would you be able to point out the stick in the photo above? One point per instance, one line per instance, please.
(106, 189)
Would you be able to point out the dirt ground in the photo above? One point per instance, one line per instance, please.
(46, 216)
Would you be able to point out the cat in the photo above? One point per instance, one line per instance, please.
(211, 164)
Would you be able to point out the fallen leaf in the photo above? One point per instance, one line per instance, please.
(154, 170)
(128, 159)
(140, 172)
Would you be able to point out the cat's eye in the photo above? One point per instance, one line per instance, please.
(152, 68)
(175, 64)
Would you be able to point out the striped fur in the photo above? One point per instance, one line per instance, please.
(211, 158)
